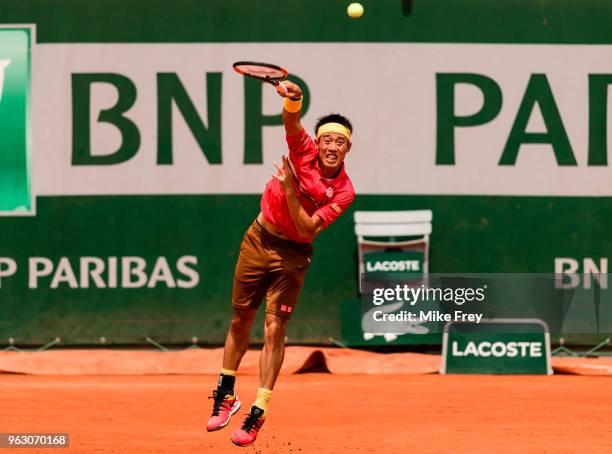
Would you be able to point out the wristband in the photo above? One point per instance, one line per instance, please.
(293, 105)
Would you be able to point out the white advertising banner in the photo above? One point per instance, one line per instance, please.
(389, 91)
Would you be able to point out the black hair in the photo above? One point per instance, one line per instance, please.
(333, 118)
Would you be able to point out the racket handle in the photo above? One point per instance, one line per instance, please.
(283, 87)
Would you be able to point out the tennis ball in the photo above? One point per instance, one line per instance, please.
(355, 10)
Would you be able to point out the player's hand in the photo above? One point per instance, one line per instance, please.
(284, 176)
(293, 90)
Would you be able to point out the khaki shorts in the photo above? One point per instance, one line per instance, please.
(272, 267)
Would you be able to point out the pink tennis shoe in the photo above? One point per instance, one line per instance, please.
(224, 407)
(247, 433)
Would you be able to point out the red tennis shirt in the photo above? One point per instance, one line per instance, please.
(327, 198)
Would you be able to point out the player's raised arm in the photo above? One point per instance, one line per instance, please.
(291, 108)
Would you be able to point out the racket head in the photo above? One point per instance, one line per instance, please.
(267, 72)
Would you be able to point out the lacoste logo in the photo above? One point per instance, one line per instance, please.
(3, 64)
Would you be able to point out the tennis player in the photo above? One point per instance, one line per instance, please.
(309, 190)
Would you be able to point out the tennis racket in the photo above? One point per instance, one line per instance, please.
(267, 72)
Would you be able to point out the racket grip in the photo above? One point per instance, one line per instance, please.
(283, 87)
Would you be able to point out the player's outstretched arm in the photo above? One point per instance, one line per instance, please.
(306, 225)
(292, 108)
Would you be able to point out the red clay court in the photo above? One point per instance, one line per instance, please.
(165, 411)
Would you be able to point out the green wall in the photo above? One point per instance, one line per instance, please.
(466, 21)
(471, 233)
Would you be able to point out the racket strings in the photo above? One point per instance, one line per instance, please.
(262, 71)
